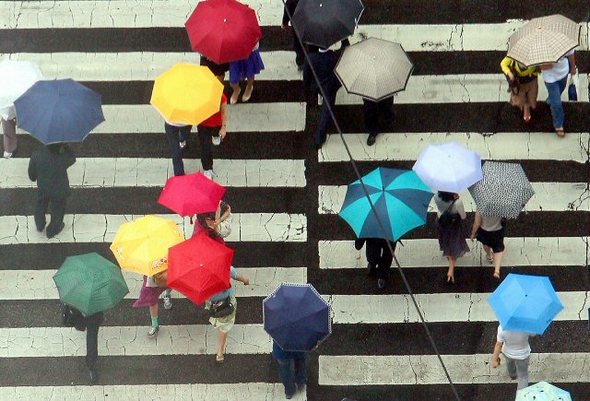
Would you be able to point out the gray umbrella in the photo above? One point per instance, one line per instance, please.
(544, 40)
(374, 68)
(503, 190)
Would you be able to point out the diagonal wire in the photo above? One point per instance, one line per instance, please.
(373, 210)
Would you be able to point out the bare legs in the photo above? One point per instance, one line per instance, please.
(495, 258)
(236, 91)
(221, 339)
(235, 94)
(451, 271)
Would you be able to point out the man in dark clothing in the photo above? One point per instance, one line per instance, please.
(324, 61)
(291, 5)
(48, 166)
(292, 369)
(379, 258)
(373, 113)
(93, 323)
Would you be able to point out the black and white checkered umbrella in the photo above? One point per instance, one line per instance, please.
(503, 190)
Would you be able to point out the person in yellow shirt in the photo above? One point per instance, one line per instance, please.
(523, 85)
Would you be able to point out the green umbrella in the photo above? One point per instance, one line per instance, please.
(90, 283)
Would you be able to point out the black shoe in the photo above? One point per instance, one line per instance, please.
(371, 140)
(381, 283)
(41, 228)
(53, 234)
(288, 396)
(93, 376)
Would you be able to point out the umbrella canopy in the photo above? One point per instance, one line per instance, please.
(191, 194)
(187, 93)
(448, 167)
(223, 30)
(199, 267)
(525, 303)
(90, 283)
(503, 191)
(325, 22)
(542, 391)
(61, 110)
(544, 40)
(296, 317)
(400, 198)
(140, 245)
(16, 77)
(374, 68)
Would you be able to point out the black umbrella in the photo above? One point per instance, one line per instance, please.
(325, 22)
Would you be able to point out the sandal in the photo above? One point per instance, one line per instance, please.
(219, 358)
(560, 132)
(490, 258)
(247, 93)
(497, 274)
(450, 279)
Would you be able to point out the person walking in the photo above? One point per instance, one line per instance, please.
(516, 349)
(206, 223)
(451, 238)
(490, 232)
(323, 61)
(211, 132)
(244, 69)
(523, 85)
(149, 295)
(376, 113)
(290, 6)
(292, 369)
(555, 77)
(8, 117)
(379, 258)
(48, 166)
(177, 134)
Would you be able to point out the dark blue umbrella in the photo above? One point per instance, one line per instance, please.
(61, 110)
(296, 317)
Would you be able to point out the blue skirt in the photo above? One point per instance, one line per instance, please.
(247, 68)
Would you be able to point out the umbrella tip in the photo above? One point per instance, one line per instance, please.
(225, 20)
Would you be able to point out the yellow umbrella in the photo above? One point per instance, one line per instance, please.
(141, 244)
(187, 93)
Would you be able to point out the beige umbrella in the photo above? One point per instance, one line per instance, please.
(544, 40)
(374, 68)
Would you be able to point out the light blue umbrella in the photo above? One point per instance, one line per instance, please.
(525, 303)
(400, 198)
(542, 391)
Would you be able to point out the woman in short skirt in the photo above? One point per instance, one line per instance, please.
(244, 69)
(490, 232)
(451, 239)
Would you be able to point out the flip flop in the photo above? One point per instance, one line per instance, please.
(219, 358)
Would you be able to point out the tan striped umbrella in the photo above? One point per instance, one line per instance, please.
(544, 40)
(374, 68)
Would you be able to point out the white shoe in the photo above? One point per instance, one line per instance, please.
(208, 174)
(7, 155)
(153, 331)
(167, 303)
(182, 144)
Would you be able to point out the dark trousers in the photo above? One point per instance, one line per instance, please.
(91, 344)
(325, 117)
(205, 135)
(58, 210)
(374, 112)
(379, 257)
(175, 135)
(299, 55)
(291, 372)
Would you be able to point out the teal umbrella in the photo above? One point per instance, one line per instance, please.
(542, 391)
(400, 199)
(90, 283)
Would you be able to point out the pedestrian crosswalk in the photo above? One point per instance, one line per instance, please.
(285, 196)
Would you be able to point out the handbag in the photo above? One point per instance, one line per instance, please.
(447, 219)
(221, 308)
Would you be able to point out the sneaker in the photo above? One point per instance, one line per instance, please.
(216, 140)
(381, 283)
(167, 303)
(208, 174)
(182, 144)
(7, 155)
(153, 331)
(371, 140)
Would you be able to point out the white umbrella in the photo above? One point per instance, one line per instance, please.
(448, 167)
(16, 77)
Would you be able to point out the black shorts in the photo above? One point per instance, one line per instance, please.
(216, 69)
(493, 239)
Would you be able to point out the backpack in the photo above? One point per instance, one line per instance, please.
(448, 219)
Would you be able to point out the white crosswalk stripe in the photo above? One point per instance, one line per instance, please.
(30, 338)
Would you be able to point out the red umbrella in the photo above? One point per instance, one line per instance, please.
(223, 30)
(199, 267)
(191, 194)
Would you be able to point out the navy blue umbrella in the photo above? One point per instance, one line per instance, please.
(60, 110)
(296, 317)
